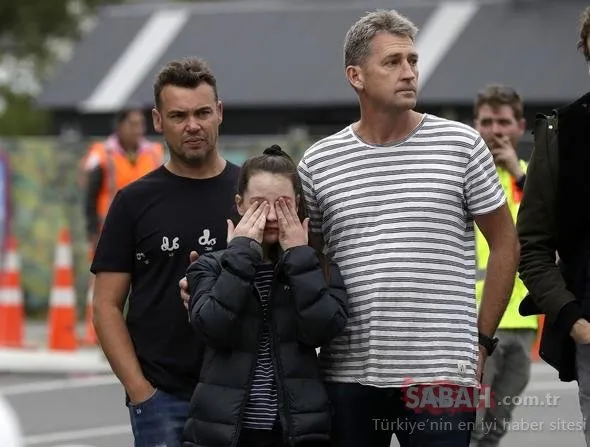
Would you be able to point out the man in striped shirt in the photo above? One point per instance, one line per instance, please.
(393, 199)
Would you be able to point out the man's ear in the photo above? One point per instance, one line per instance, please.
(157, 120)
(220, 111)
(355, 77)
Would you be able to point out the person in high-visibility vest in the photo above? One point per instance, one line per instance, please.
(109, 165)
(499, 119)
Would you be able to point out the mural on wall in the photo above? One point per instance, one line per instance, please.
(5, 208)
(45, 198)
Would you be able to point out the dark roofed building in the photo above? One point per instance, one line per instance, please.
(279, 64)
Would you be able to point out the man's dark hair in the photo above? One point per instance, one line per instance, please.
(123, 114)
(189, 72)
(584, 33)
(497, 96)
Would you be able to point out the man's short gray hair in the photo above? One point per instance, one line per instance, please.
(359, 36)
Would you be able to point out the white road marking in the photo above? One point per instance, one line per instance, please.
(74, 435)
(57, 385)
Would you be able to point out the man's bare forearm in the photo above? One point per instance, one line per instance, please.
(501, 271)
(116, 343)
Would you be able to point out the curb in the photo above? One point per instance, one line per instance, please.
(53, 362)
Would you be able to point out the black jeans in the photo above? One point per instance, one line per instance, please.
(369, 416)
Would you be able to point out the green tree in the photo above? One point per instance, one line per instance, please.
(31, 35)
(32, 32)
(28, 28)
(20, 116)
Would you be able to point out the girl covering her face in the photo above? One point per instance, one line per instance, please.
(261, 308)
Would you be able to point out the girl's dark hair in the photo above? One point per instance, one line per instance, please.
(275, 161)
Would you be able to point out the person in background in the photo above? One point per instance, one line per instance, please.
(109, 165)
(498, 117)
(554, 230)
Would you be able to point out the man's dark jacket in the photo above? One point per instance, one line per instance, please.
(554, 225)
(225, 310)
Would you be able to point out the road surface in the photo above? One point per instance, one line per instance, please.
(90, 412)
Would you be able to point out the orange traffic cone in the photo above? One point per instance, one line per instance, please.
(90, 336)
(62, 301)
(12, 314)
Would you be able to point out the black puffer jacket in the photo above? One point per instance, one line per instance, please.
(225, 310)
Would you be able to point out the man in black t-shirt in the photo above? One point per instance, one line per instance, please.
(151, 227)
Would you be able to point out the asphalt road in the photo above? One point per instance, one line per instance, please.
(90, 412)
(72, 411)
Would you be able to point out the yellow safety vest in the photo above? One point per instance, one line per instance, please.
(511, 319)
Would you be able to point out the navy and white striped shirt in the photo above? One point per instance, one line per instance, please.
(398, 219)
(262, 406)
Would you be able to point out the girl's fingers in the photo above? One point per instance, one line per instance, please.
(305, 225)
(251, 209)
(261, 222)
(283, 223)
(253, 217)
(286, 212)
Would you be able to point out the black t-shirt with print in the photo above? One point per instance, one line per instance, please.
(151, 227)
